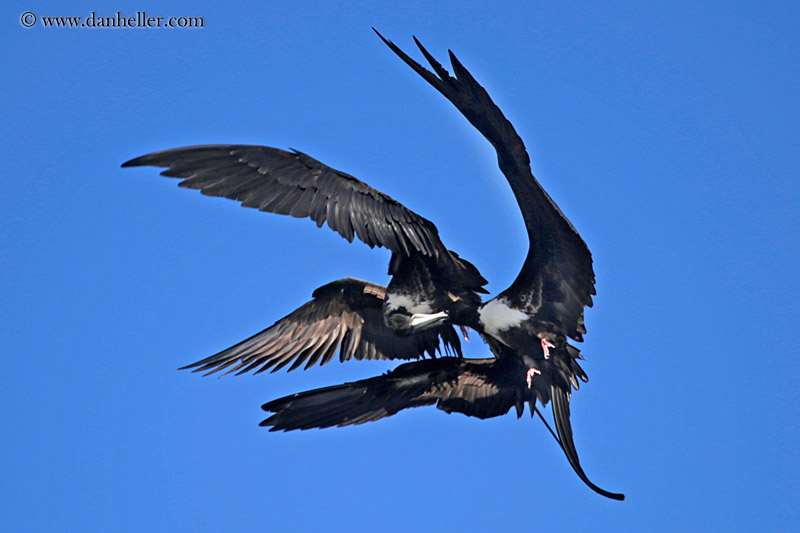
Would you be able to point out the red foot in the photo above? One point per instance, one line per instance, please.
(465, 332)
(546, 345)
(529, 375)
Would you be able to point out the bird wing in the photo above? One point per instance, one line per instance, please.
(293, 183)
(483, 388)
(344, 316)
(557, 279)
(472, 387)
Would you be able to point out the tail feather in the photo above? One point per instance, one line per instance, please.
(560, 399)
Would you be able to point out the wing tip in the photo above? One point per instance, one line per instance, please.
(135, 162)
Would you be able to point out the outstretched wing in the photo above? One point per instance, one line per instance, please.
(557, 280)
(293, 183)
(483, 388)
(473, 387)
(345, 316)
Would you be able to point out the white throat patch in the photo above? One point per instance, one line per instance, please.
(496, 316)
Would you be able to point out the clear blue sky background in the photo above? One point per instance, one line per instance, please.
(668, 134)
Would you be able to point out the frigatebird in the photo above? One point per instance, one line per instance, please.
(344, 316)
(526, 326)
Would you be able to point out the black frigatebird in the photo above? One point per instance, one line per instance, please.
(526, 326)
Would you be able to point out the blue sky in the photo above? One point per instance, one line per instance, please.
(668, 135)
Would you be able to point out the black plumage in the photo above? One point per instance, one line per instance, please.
(557, 279)
(345, 316)
(526, 326)
(293, 183)
(483, 388)
(530, 321)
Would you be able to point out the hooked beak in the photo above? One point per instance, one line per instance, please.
(420, 321)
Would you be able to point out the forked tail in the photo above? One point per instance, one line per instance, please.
(564, 428)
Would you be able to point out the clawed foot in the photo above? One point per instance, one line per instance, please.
(529, 375)
(546, 345)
